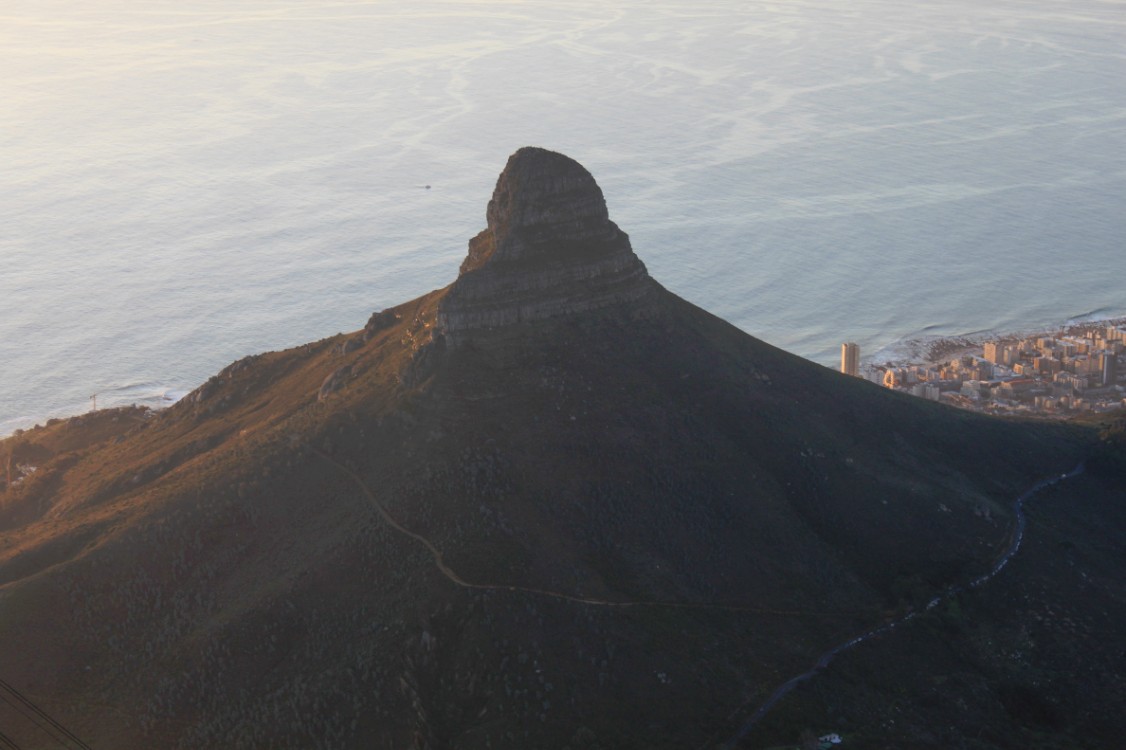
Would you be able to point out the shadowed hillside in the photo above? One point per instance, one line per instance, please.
(549, 505)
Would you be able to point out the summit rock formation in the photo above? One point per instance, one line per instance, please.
(550, 249)
(554, 505)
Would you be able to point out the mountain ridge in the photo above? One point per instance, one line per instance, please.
(274, 561)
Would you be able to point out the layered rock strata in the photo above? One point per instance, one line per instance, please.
(549, 250)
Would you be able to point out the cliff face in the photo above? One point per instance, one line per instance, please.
(549, 250)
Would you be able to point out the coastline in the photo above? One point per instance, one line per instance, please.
(920, 350)
(149, 395)
(937, 350)
(1051, 371)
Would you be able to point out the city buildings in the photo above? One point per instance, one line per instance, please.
(1073, 371)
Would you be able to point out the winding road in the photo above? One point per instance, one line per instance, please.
(452, 575)
(826, 658)
(782, 690)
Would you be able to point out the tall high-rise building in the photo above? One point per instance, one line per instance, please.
(1108, 368)
(850, 359)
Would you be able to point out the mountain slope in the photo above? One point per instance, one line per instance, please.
(551, 504)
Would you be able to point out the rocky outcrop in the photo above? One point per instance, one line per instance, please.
(549, 250)
(334, 382)
(380, 321)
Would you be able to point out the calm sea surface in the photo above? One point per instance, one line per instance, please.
(187, 183)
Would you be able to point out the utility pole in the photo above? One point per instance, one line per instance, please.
(94, 398)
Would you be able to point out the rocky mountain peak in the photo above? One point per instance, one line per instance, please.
(549, 249)
(544, 204)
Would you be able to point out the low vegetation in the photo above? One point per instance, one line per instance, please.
(212, 576)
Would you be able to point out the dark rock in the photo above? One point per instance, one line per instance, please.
(380, 321)
(238, 366)
(202, 393)
(349, 345)
(334, 382)
(550, 250)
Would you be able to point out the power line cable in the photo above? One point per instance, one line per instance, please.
(31, 717)
(7, 741)
(44, 715)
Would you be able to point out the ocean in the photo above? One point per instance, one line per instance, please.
(188, 183)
